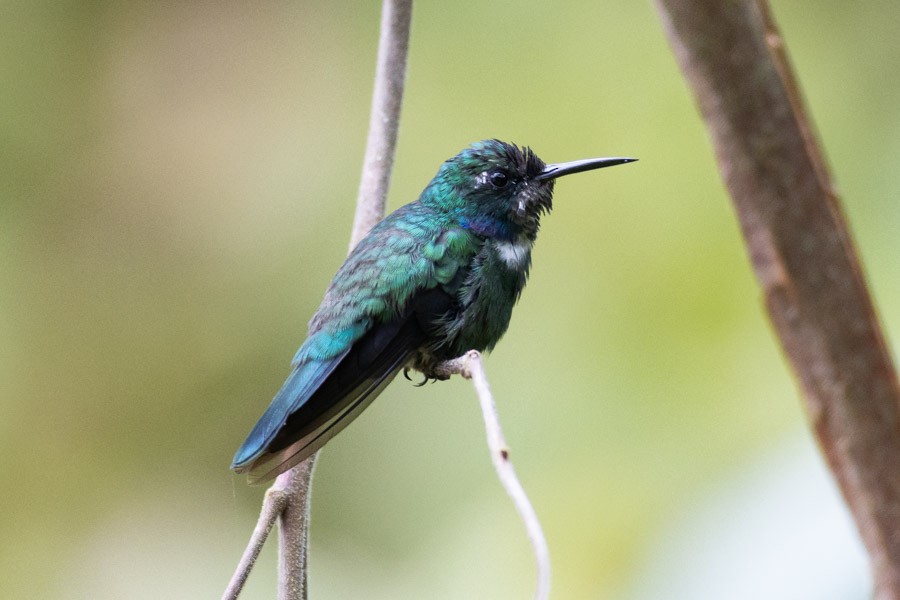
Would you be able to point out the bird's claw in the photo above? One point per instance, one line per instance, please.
(426, 377)
(408, 378)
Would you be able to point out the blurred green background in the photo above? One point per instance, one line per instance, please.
(177, 183)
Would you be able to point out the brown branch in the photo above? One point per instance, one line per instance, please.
(734, 59)
(288, 500)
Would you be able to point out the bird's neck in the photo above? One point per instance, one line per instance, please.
(489, 227)
(445, 199)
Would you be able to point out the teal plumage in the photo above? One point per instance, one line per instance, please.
(434, 279)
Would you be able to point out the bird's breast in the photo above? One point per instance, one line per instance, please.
(515, 254)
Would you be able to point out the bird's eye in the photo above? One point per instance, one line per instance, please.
(498, 179)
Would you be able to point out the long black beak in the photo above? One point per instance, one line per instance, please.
(577, 166)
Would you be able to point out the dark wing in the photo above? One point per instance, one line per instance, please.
(320, 398)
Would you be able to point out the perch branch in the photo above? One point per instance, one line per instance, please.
(734, 59)
(288, 500)
(471, 367)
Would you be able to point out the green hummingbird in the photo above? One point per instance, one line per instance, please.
(434, 279)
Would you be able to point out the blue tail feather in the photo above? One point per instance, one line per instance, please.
(303, 380)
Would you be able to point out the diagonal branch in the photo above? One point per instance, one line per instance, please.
(733, 56)
(274, 502)
(471, 367)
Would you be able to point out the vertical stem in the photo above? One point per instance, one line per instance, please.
(384, 121)
(387, 97)
(293, 527)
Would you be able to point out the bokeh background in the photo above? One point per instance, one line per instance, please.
(177, 184)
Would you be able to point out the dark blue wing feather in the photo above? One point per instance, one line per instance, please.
(320, 398)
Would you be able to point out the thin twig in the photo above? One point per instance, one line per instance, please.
(470, 366)
(734, 57)
(293, 488)
(273, 504)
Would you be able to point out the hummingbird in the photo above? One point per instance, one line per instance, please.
(436, 278)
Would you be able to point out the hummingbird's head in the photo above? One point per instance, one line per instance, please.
(500, 189)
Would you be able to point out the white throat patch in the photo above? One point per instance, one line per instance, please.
(515, 254)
